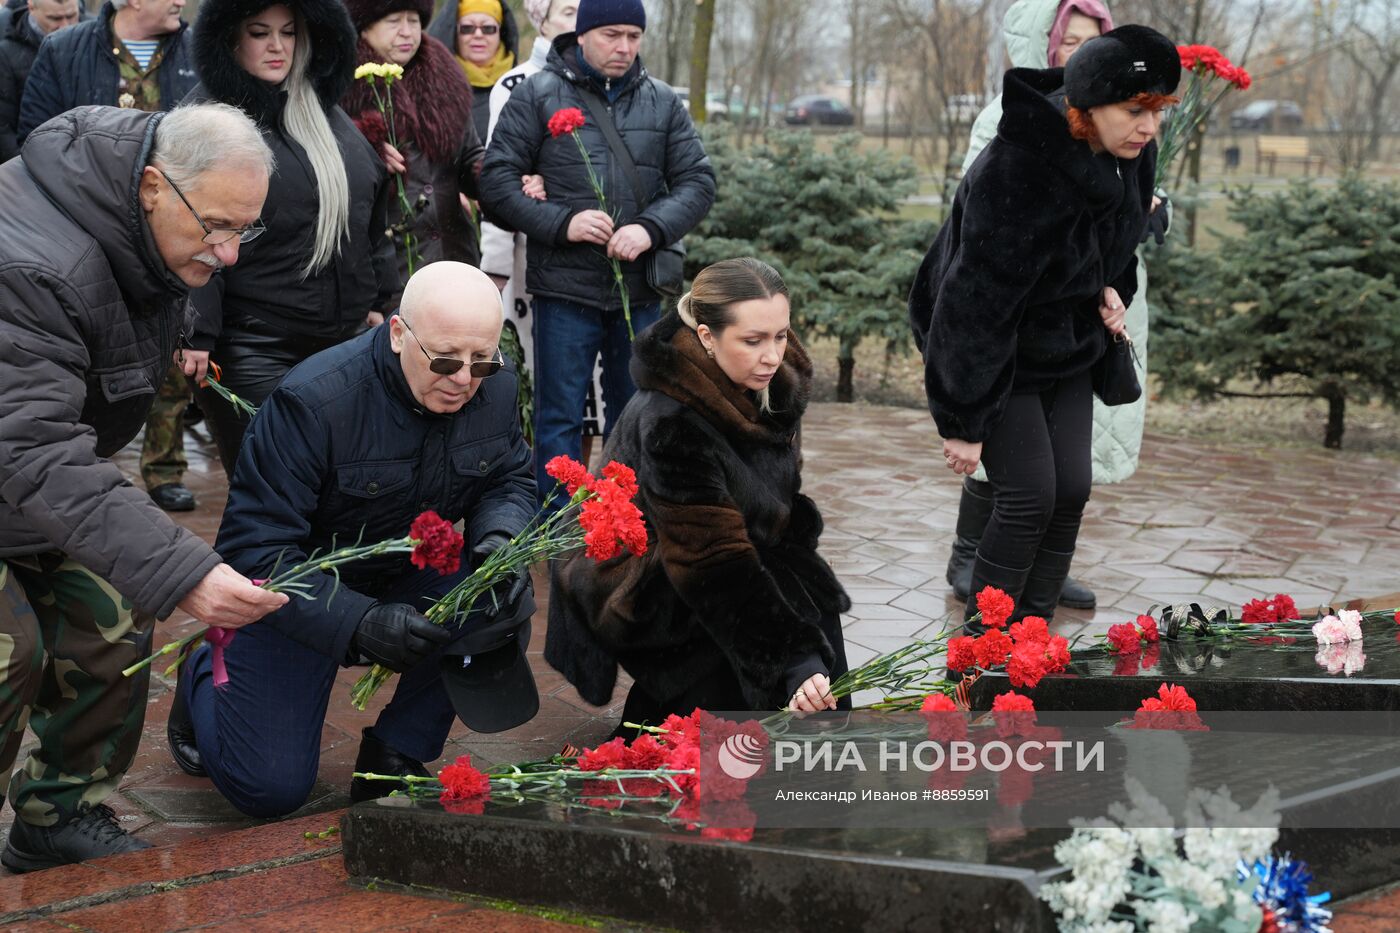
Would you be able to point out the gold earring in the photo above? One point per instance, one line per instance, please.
(710, 351)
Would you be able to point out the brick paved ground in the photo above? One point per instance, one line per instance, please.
(1198, 521)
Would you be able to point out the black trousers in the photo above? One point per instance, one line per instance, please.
(1039, 464)
(253, 356)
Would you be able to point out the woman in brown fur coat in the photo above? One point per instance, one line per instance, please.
(731, 608)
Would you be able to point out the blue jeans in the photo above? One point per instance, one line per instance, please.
(568, 338)
(260, 734)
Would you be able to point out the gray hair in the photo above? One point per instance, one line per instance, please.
(306, 122)
(196, 138)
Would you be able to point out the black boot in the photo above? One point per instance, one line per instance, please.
(377, 758)
(91, 834)
(974, 511)
(1076, 595)
(984, 574)
(179, 732)
(1044, 585)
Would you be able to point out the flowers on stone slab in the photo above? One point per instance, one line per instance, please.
(1137, 873)
(658, 774)
(1338, 629)
(995, 606)
(1171, 708)
(600, 516)
(1279, 609)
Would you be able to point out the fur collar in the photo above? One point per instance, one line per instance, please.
(432, 104)
(1033, 119)
(669, 358)
(332, 55)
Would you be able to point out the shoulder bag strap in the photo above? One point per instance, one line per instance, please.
(604, 121)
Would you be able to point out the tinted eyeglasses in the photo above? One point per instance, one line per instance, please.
(466, 29)
(449, 366)
(216, 235)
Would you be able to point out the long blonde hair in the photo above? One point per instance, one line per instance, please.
(306, 122)
(720, 286)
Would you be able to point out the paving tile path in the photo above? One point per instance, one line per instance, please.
(1197, 522)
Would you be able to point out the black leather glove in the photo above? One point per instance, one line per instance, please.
(1157, 222)
(397, 636)
(487, 546)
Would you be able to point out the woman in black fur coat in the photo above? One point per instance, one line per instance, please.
(731, 607)
(1025, 285)
(324, 265)
(439, 151)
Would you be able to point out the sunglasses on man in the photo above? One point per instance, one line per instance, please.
(467, 29)
(450, 366)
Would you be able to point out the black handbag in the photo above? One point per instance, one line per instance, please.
(1115, 375)
(665, 265)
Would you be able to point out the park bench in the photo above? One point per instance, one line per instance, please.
(1289, 149)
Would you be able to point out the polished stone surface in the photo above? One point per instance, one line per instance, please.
(1197, 522)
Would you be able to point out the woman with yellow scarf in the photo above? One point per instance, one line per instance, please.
(485, 39)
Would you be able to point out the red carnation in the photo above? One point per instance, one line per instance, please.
(1057, 654)
(992, 648)
(1397, 616)
(1014, 714)
(1148, 626)
(461, 782)
(1031, 628)
(995, 606)
(946, 723)
(565, 121)
(1124, 638)
(1266, 611)
(623, 475)
(646, 753)
(611, 754)
(439, 545)
(1172, 708)
(569, 472)
(611, 522)
(1026, 665)
(681, 729)
(961, 655)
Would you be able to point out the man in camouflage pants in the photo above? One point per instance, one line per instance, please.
(100, 251)
(163, 462)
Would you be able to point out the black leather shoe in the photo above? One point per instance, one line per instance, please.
(377, 758)
(91, 834)
(193, 414)
(1076, 595)
(173, 497)
(179, 732)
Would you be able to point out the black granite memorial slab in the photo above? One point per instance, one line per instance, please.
(781, 880)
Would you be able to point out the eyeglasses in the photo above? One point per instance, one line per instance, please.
(467, 29)
(215, 236)
(449, 366)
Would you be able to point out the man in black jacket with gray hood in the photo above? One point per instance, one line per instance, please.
(571, 238)
(111, 216)
(23, 25)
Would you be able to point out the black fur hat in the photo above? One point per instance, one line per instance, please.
(330, 71)
(1121, 64)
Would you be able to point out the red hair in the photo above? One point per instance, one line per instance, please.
(1082, 127)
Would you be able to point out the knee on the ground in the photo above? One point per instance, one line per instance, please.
(268, 795)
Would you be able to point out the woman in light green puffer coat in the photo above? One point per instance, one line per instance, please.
(1029, 28)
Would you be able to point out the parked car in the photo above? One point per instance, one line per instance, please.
(818, 109)
(715, 107)
(963, 108)
(1267, 115)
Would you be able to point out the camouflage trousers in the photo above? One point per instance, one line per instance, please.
(65, 637)
(163, 448)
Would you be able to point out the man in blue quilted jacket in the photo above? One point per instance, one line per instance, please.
(571, 237)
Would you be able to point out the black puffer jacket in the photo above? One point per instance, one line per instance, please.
(668, 153)
(444, 29)
(1007, 298)
(267, 282)
(19, 43)
(342, 451)
(731, 573)
(89, 316)
(76, 67)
